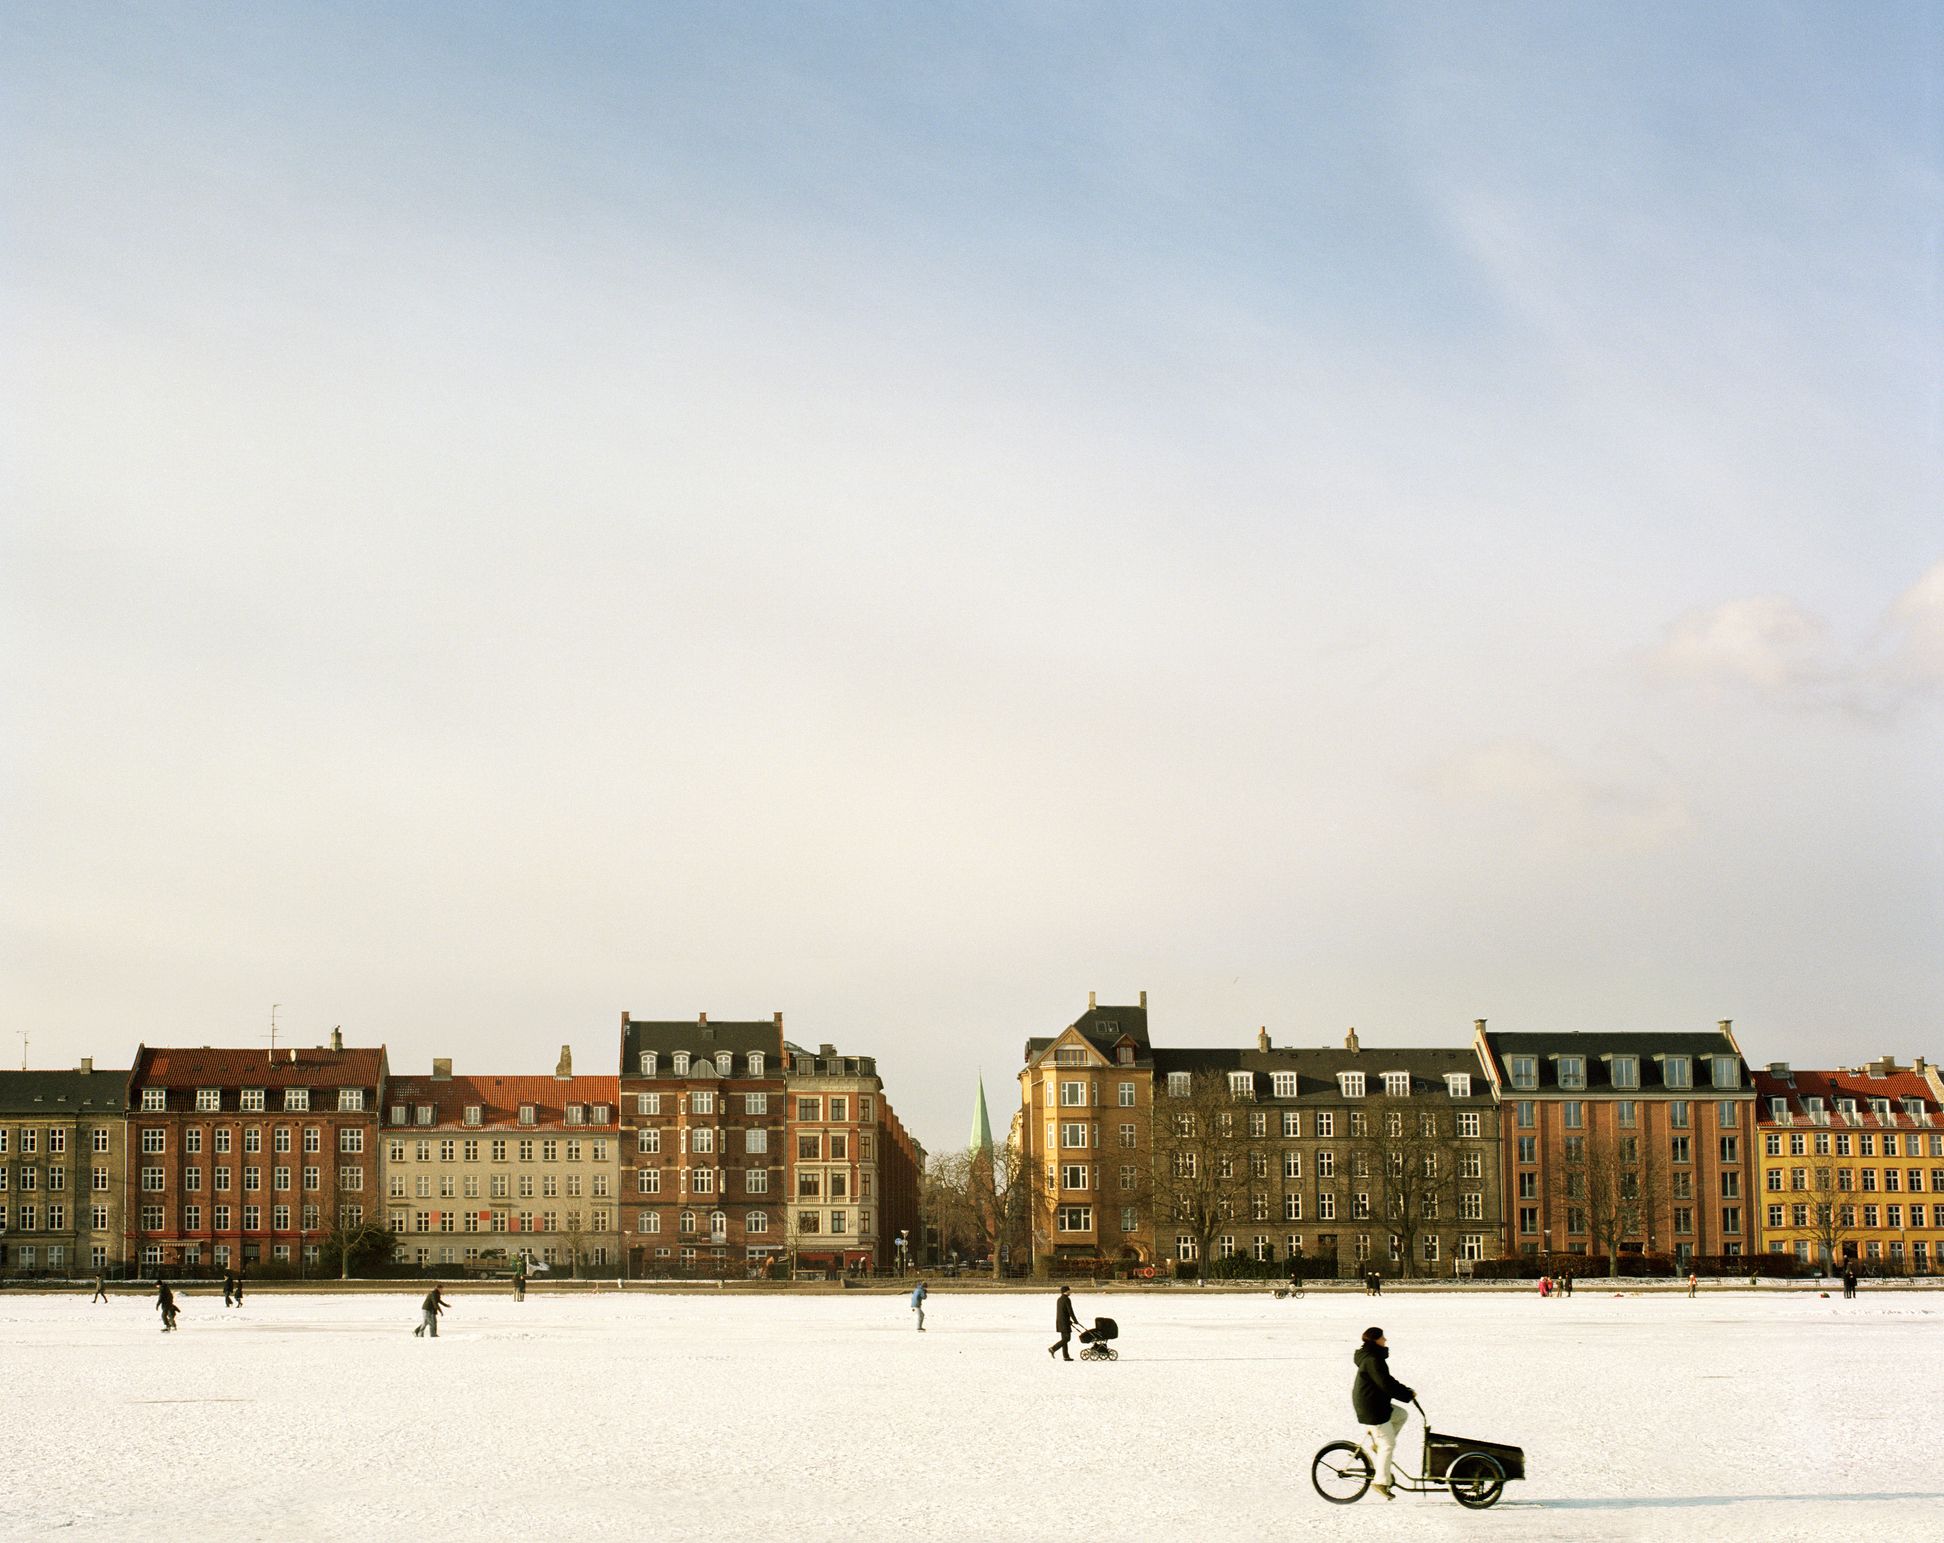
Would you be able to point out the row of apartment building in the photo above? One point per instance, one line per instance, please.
(713, 1148)
(1423, 1159)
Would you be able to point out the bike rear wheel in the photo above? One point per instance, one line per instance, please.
(1477, 1479)
(1341, 1472)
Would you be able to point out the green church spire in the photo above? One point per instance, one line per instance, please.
(981, 1125)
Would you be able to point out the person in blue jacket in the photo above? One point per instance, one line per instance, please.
(918, 1296)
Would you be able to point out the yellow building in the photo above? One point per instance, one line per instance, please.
(1851, 1165)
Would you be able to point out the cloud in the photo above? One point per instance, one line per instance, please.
(1772, 648)
(1544, 794)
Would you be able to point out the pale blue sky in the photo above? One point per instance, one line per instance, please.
(905, 515)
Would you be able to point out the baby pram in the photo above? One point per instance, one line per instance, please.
(1096, 1343)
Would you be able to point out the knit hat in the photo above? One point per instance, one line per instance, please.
(1371, 1336)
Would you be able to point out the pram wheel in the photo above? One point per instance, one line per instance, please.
(1099, 1352)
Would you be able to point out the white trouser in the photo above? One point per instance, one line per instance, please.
(1383, 1441)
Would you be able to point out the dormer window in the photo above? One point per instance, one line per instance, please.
(1178, 1084)
(209, 1100)
(1678, 1070)
(1818, 1115)
(1626, 1071)
(400, 1115)
(297, 1100)
(1284, 1084)
(723, 1061)
(601, 1115)
(1846, 1107)
(529, 1115)
(425, 1114)
(1070, 1055)
(576, 1114)
(1124, 1055)
(1397, 1084)
(154, 1099)
(1241, 1085)
(1914, 1107)
(681, 1063)
(350, 1100)
(1351, 1084)
(1727, 1071)
(1458, 1084)
(1572, 1071)
(252, 1098)
(1779, 1110)
(475, 1115)
(647, 1063)
(1525, 1072)
(755, 1063)
(1880, 1107)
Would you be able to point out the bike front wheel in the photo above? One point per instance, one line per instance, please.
(1341, 1472)
(1477, 1479)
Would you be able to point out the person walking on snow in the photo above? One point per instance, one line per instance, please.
(918, 1296)
(1849, 1281)
(430, 1308)
(239, 1288)
(519, 1278)
(1694, 1282)
(229, 1288)
(101, 1289)
(165, 1304)
(1372, 1396)
(1063, 1321)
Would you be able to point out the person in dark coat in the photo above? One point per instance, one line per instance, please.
(430, 1308)
(239, 1288)
(519, 1278)
(1295, 1272)
(229, 1288)
(1063, 1322)
(1372, 1396)
(1849, 1281)
(165, 1304)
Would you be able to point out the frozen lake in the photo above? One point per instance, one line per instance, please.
(299, 1417)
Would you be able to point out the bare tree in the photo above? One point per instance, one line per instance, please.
(1616, 1186)
(1202, 1176)
(1404, 1158)
(979, 1204)
(1832, 1212)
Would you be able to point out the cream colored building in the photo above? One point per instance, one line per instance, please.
(63, 1171)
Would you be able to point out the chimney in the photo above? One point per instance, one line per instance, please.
(1090, 1001)
(1726, 1025)
(1917, 1064)
(565, 1067)
(1143, 1001)
(701, 1017)
(442, 1068)
(1262, 1037)
(1350, 1041)
(1779, 1069)
(779, 1023)
(87, 1063)
(625, 1015)
(1478, 1025)
(827, 1051)
(337, 1038)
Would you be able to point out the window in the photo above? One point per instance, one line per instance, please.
(1572, 1071)
(208, 1099)
(475, 1115)
(755, 1103)
(1073, 1095)
(1073, 1176)
(1727, 1071)
(1468, 1122)
(1325, 1123)
(1397, 1084)
(1678, 1071)
(1574, 1114)
(1525, 1072)
(1125, 1095)
(153, 1140)
(529, 1115)
(682, 1067)
(1073, 1135)
(1178, 1084)
(1351, 1084)
(756, 1070)
(646, 1062)
(1626, 1111)
(724, 1061)
(1127, 1136)
(1241, 1085)
(1292, 1125)
(154, 1098)
(253, 1098)
(297, 1099)
(1626, 1071)
(350, 1139)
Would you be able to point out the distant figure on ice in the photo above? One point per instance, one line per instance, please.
(1372, 1396)
(1849, 1281)
(165, 1304)
(1373, 1284)
(519, 1278)
(1694, 1283)
(239, 1288)
(1295, 1273)
(101, 1289)
(1566, 1284)
(1063, 1321)
(429, 1310)
(1545, 1287)
(229, 1288)
(918, 1296)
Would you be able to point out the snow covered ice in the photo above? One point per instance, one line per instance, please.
(1736, 1415)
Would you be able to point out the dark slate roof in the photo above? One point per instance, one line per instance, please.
(700, 1039)
(63, 1092)
(1599, 1048)
(809, 1063)
(1104, 1028)
(1316, 1070)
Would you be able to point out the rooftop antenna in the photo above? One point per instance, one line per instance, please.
(23, 1050)
(273, 1029)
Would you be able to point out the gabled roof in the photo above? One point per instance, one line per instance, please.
(1104, 1028)
(289, 1067)
(499, 1098)
(1597, 1049)
(700, 1037)
(63, 1092)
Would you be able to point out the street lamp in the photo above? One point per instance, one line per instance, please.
(904, 1250)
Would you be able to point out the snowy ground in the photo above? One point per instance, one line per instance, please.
(320, 1417)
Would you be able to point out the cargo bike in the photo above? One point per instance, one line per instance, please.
(1475, 1472)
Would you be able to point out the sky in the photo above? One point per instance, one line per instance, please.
(904, 516)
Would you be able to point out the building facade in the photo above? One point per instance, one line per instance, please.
(63, 1171)
(499, 1166)
(852, 1169)
(1851, 1164)
(1083, 1139)
(702, 1146)
(242, 1157)
(1624, 1143)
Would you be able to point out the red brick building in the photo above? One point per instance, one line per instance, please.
(852, 1167)
(240, 1157)
(702, 1151)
